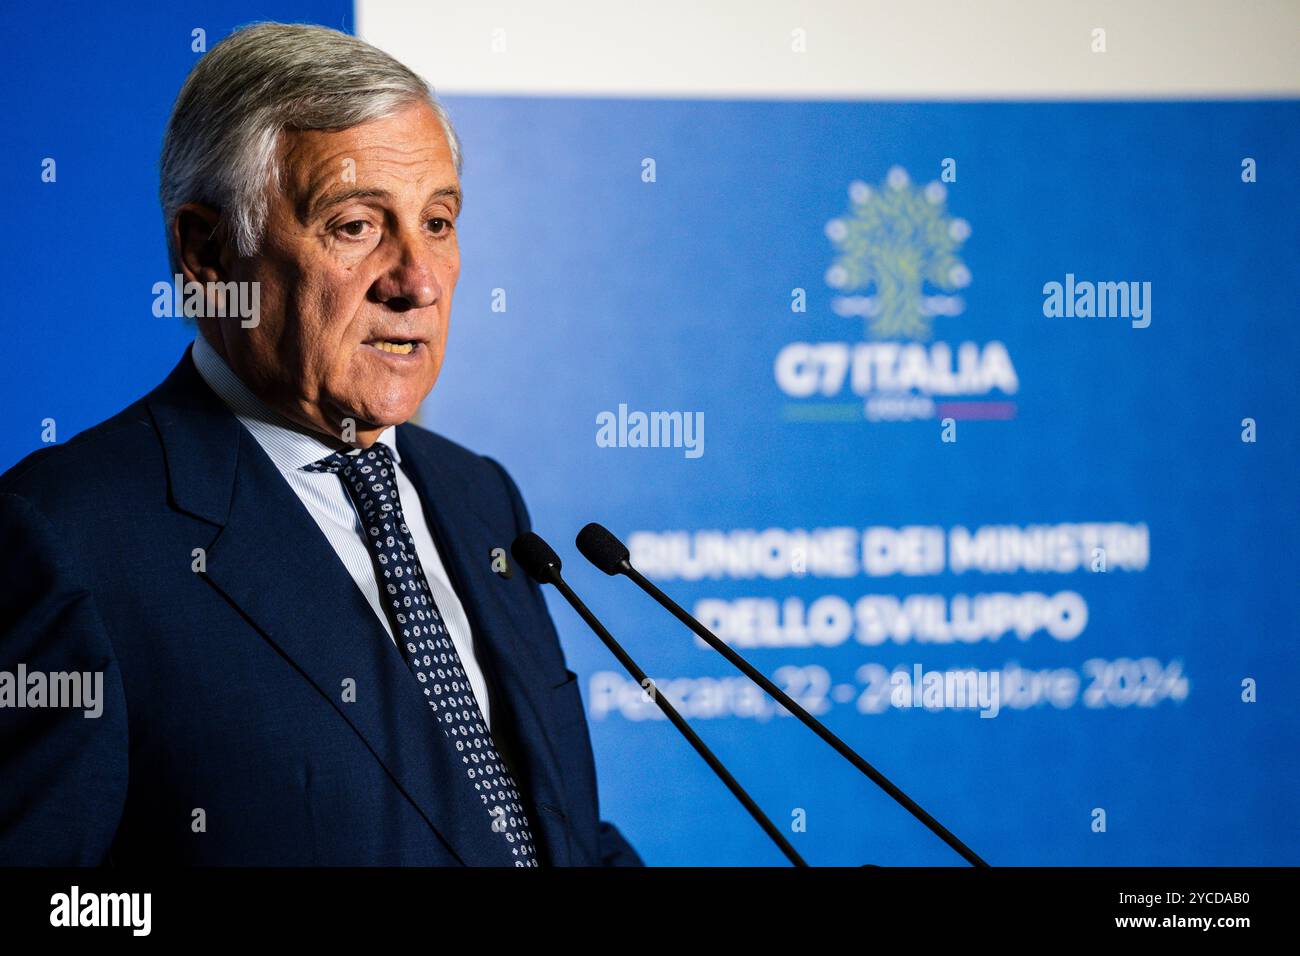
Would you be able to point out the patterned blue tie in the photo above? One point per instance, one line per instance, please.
(371, 480)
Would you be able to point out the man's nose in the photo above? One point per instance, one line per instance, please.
(410, 282)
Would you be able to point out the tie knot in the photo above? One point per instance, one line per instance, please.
(376, 456)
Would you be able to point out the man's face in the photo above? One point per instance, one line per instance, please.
(357, 269)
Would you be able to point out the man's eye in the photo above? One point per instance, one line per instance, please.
(439, 226)
(353, 229)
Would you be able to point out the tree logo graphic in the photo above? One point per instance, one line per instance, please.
(898, 244)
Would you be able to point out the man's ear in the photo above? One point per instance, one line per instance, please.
(199, 243)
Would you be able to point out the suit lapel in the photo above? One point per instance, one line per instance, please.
(271, 561)
(465, 542)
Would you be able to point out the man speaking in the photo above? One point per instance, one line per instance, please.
(311, 648)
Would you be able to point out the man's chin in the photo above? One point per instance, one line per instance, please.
(374, 419)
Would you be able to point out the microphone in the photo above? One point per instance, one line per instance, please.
(542, 564)
(599, 546)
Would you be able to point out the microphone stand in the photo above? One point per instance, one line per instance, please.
(545, 568)
(811, 722)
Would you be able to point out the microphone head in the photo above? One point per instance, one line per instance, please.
(599, 546)
(537, 559)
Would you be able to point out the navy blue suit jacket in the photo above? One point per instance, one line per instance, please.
(224, 688)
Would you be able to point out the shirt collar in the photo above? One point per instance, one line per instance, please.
(289, 445)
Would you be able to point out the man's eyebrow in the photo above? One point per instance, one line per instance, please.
(451, 192)
(315, 206)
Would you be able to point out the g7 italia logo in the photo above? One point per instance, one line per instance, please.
(898, 267)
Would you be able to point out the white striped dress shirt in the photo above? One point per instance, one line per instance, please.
(291, 447)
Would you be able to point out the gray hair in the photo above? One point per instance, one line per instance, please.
(220, 143)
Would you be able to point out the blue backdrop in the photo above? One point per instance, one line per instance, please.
(678, 295)
(869, 354)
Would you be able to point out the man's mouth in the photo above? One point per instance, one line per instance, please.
(395, 346)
